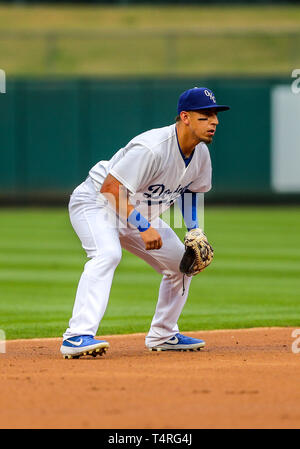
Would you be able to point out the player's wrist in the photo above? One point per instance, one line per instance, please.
(194, 226)
(138, 220)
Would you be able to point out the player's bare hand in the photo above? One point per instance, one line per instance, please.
(152, 239)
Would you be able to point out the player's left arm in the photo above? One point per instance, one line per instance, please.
(198, 252)
(188, 205)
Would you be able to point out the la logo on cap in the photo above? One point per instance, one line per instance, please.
(210, 95)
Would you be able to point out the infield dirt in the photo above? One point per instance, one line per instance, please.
(242, 379)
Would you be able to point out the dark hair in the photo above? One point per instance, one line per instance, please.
(177, 118)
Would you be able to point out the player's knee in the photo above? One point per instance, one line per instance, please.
(104, 261)
(172, 271)
(174, 275)
(114, 257)
(174, 263)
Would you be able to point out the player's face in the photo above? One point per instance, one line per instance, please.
(202, 124)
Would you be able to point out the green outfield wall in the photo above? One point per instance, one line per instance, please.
(52, 131)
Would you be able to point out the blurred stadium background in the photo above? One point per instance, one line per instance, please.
(83, 78)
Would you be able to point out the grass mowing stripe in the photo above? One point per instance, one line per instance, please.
(253, 280)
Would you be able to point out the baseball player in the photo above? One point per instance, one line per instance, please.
(119, 206)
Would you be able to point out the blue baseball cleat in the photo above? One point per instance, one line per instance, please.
(74, 347)
(180, 343)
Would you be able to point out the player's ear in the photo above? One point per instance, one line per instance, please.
(184, 115)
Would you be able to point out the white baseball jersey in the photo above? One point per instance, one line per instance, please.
(152, 168)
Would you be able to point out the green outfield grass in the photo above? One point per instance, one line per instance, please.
(254, 279)
(145, 40)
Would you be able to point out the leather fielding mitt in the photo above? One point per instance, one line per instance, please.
(198, 253)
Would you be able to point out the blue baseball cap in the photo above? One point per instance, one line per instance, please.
(198, 98)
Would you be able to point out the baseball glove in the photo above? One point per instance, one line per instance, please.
(198, 253)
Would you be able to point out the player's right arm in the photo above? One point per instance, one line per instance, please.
(117, 195)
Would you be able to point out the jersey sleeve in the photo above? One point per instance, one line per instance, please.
(202, 183)
(136, 168)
